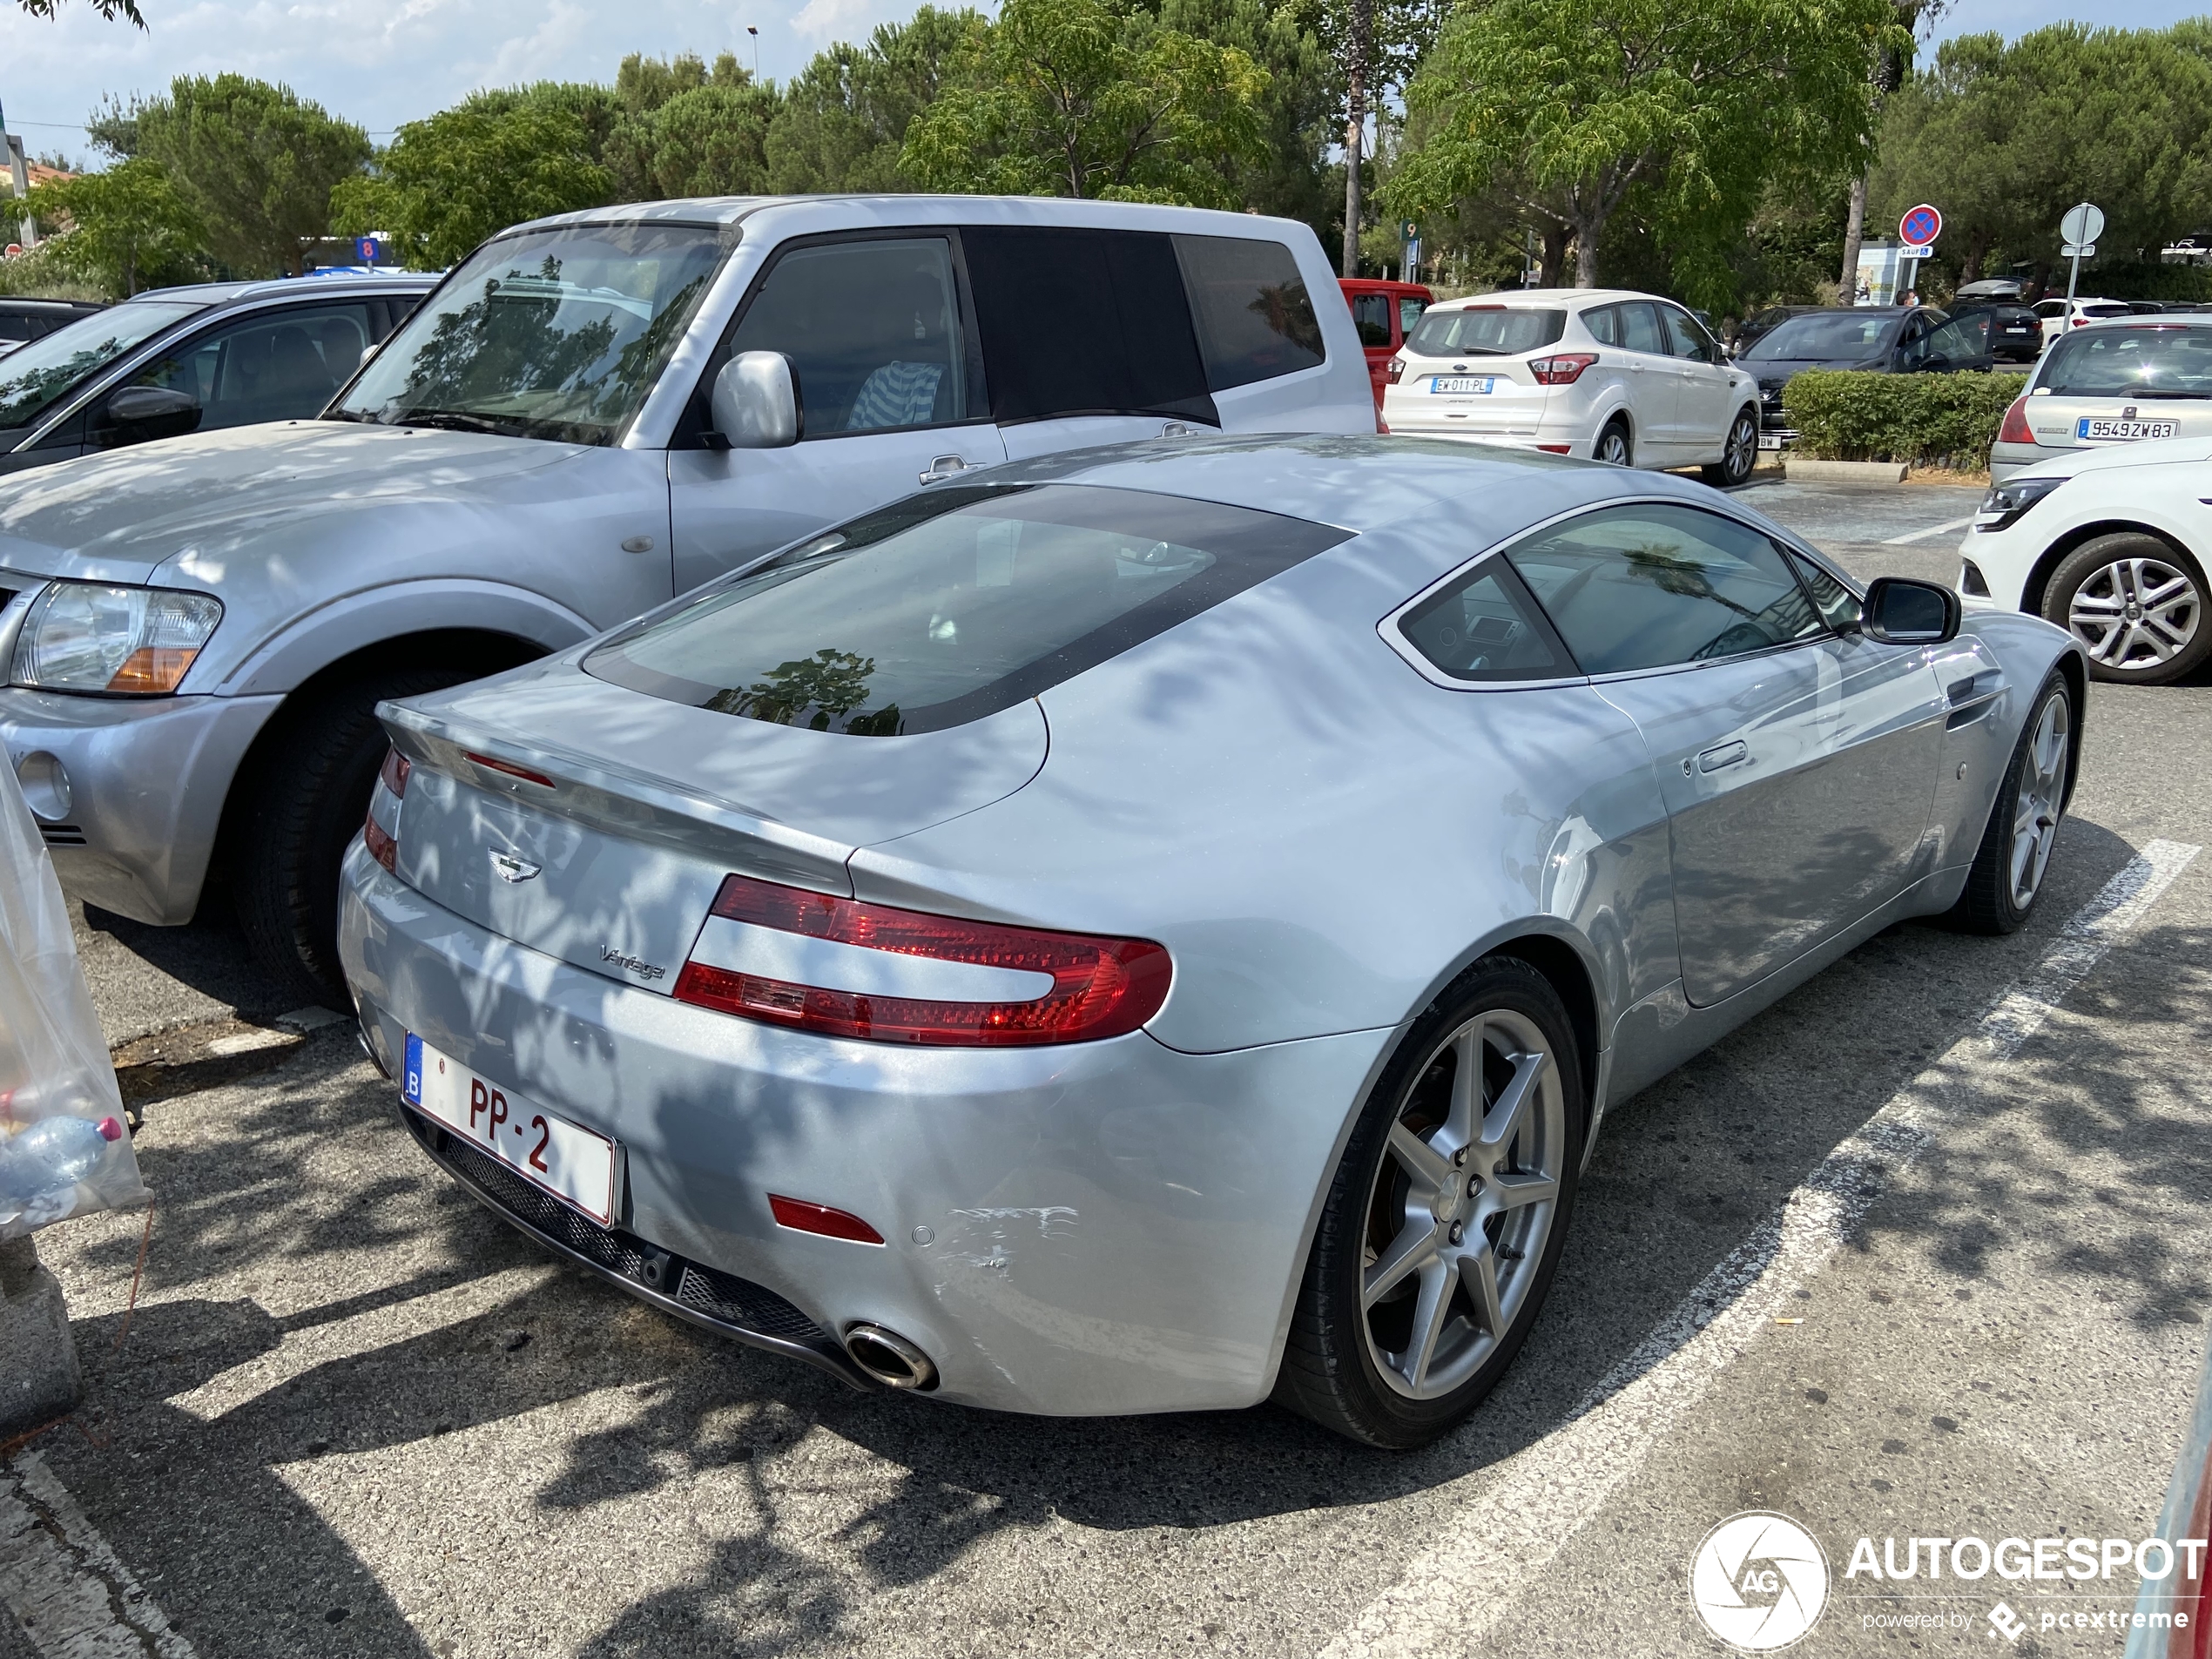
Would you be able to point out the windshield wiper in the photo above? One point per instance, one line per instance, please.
(349, 415)
(461, 421)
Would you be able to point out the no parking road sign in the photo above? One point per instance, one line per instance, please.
(1919, 227)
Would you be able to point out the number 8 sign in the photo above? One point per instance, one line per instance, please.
(1920, 226)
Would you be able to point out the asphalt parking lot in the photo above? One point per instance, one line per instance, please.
(1882, 1261)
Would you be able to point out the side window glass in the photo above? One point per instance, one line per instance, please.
(1409, 312)
(1839, 608)
(1640, 328)
(1604, 325)
(1371, 316)
(873, 331)
(280, 368)
(1684, 337)
(1654, 585)
(1079, 321)
(1485, 628)
(1961, 337)
(1254, 318)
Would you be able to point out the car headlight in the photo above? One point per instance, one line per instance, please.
(2002, 507)
(132, 642)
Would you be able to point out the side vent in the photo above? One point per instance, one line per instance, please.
(62, 834)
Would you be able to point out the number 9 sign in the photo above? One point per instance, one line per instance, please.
(1920, 226)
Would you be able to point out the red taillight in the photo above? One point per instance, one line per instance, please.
(509, 768)
(802, 1216)
(1397, 369)
(392, 775)
(1100, 987)
(2015, 427)
(1557, 448)
(1561, 370)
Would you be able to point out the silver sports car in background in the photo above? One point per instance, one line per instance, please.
(1157, 927)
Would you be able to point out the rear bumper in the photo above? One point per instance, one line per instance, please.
(1098, 1228)
(135, 827)
(2006, 459)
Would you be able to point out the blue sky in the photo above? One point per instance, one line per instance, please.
(382, 62)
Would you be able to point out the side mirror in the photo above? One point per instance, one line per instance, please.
(140, 413)
(1900, 612)
(756, 402)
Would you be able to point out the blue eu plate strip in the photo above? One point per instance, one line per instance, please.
(411, 1076)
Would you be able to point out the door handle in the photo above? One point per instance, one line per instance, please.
(1728, 754)
(943, 467)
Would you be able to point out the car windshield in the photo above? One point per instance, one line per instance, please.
(554, 333)
(33, 378)
(1484, 330)
(2149, 360)
(1826, 337)
(953, 605)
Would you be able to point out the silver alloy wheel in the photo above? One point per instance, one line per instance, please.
(2135, 614)
(1613, 446)
(2037, 806)
(1742, 447)
(1462, 1204)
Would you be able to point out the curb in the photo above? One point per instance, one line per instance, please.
(39, 1379)
(1843, 472)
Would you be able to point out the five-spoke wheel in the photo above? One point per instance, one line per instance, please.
(1445, 1222)
(2016, 848)
(2136, 605)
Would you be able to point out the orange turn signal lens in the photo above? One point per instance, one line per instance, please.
(152, 668)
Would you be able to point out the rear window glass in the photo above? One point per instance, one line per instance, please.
(953, 605)
(2148, 361)
(2106, 311)
(1485, 332)
(1254, 317)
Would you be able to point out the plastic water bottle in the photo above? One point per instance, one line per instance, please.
(54, 1152)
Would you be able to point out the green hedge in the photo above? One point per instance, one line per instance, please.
(1929, 419)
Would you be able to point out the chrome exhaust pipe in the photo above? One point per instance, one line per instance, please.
(889, 1358)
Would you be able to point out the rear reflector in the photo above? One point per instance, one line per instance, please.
(802, 1216)
(510, 768)
(877, 957)
(1557, 448)
(396, 769)
(392, 776)
(381, 848)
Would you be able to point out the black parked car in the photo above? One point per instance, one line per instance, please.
(1763, 322)
(23, 320)
(2010, 332)
(1884, 339)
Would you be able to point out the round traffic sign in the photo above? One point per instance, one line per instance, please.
(2083, 222)
(1920, 226)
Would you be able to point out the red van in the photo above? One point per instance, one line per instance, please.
(1385, 313)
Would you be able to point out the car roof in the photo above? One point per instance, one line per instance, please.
(1357, 482)
(918, 210)
(1548, 297)
(217, 293)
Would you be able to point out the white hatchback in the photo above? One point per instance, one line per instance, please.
(1602, 373)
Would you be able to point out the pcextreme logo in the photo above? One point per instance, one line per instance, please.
(1759, 1582)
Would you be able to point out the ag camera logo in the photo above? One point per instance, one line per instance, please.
(1759, 1582)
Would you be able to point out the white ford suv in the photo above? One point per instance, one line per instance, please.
(1604, 373)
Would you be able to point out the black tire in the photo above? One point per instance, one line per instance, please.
(2111, 573)
(1331, 1372)
(304, 802)
(1615, 446)
(1740, 454)
(1993, 902)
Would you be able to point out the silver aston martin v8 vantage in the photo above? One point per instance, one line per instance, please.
(1160, 926)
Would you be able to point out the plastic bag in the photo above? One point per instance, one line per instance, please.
(63, 1149)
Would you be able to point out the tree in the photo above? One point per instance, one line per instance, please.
(844, 120)
(110, 10)
(1288, 175)
(1089, 98)
(1890, 67)
(1693, 104)
(124, 230)
(255, 161)
(447, 182)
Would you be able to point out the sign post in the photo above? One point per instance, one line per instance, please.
(2078, 232)
(1918, 230)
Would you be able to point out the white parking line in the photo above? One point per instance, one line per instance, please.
(72, 1593)
(1911, 537)
(1457, 1592)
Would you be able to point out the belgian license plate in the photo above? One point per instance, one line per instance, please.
(2125, 431)
(571, 1163)
(1462, 385)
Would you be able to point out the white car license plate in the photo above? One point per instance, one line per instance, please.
(2125, 431)
(572, 1164)
(1460, 385)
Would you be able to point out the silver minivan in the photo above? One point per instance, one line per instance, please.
(592, 414)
